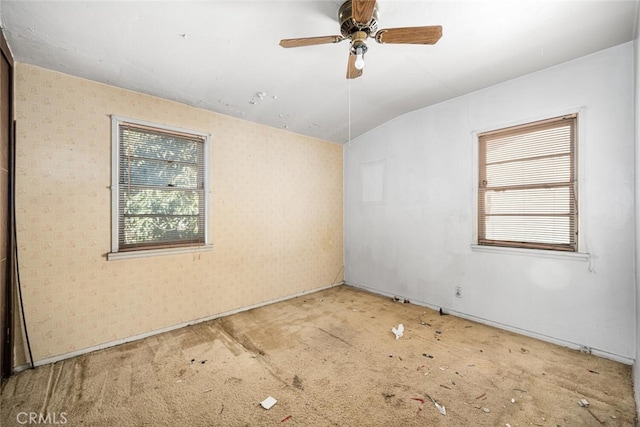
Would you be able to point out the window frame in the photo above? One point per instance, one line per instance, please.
(118, 253)
(481, 243)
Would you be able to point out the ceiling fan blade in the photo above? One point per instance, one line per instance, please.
(363, 10)
(352, 71)
(310, 41)
(410, 35)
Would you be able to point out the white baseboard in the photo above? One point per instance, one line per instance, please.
(80, 352)
(541, 337)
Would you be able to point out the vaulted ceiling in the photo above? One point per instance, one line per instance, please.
(224, 55)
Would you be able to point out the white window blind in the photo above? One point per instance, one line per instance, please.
(161, 188)
(527, 195)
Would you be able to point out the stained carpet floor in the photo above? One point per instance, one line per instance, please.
(329, 359)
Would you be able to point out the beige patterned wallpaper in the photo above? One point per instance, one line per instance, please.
(276, 217)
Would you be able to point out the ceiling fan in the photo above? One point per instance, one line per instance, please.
(359, 20)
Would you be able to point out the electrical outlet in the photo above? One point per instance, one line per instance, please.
(459, 291)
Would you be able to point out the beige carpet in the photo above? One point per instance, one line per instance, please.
(329, 359)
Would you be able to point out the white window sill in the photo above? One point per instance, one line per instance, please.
(540, 253)
(113, 256)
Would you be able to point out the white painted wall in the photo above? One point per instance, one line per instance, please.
(410, 209)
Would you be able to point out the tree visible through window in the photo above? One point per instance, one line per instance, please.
(527, 195)
(161, 197)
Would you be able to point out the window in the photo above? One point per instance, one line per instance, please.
(159, 188)
(527, 195)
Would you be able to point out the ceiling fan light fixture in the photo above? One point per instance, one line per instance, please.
(359, 47)
(359, 64)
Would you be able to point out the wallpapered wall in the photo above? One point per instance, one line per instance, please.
(276, 218)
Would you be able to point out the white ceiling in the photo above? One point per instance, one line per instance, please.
(224, 55)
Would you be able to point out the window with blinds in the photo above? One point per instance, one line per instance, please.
(160, 187)
(527, 195)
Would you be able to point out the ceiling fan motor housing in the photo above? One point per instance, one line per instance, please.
(348, 25)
